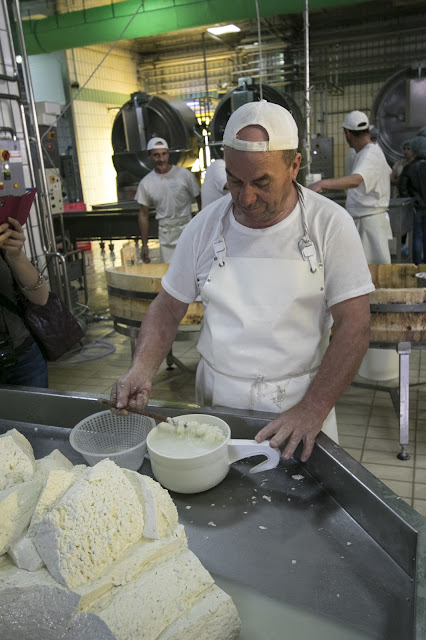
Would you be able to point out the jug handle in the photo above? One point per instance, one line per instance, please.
(238, 449)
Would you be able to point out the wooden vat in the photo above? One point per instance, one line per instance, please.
(132, 288)
(398, 305)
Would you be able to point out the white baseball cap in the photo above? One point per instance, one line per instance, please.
(157, 143)
(356, 121)
(277, 121)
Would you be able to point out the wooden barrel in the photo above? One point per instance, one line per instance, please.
(398, 305)
(131, 289)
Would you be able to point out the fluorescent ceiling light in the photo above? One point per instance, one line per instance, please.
(226, 28)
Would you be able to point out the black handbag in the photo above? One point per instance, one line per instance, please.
(52, 325)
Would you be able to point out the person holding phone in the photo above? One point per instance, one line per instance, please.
(21, 361)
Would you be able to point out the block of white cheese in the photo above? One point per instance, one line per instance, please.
(54, 461)
(164, 591)
(33, 606)
(94, 522)
(16, 508)
(160, 513)
(213, 616)
(17, 463)
(56, 482)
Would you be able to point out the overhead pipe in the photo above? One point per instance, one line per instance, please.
(105, 23)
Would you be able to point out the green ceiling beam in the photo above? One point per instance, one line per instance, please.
(104, 24)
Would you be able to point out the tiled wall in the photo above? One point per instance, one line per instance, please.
(94, 109)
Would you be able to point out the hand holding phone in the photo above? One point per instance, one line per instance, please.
(17, 207)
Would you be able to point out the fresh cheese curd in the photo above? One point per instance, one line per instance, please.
(185, 439)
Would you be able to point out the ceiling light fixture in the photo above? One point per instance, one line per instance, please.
(226, 28)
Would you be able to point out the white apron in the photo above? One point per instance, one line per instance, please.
(264, 332)
(169, 232)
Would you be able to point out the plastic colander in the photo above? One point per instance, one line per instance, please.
(122, 439)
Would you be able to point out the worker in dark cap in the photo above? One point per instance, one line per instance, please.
(412, 183)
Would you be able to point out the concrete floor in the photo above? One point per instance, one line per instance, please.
(368, 424)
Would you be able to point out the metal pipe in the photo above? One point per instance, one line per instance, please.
(46, 208)
(206, 80)
(307, 92)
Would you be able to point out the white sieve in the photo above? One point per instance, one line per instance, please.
(122, 439)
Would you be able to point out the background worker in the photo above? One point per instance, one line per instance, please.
(397, 168)
(171, 191)
(412, 184)
(368, 189)
(19, 280)
(214, 185)
(275, 265)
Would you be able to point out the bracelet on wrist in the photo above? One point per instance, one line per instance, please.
(40, 282)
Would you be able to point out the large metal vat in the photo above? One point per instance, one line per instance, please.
(242, 94)
(143, 117)
(399, 110)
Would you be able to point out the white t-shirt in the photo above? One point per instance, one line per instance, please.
(171, 193)
(214, 183)
(331, 229)
(373, 194)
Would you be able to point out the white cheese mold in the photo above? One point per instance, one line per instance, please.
(196, 473)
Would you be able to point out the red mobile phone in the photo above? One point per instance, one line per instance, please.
(17, 207)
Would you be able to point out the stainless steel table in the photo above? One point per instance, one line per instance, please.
(334, 554)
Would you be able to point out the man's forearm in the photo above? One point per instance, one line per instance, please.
(143, 220)
(157, 334)
(339, 365)
(346, 182)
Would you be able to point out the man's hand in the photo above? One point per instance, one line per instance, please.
(131, 391)
(298, 424)
(145, 254)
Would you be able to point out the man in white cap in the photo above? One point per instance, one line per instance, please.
(275, 265)
(368, 188)
(171, 191)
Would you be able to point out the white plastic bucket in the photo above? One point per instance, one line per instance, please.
(380, 365)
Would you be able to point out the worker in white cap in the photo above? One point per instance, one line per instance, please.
(368, 188)
(275, 265)
(171, 190)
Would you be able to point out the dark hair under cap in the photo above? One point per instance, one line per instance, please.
(406, 144)
(418, 147)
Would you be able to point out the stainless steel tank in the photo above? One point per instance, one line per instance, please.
(247, 92)
(143, 117)
(399, 110)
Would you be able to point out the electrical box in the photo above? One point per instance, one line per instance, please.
(322, 158)
(11, 169)
(50, 146)
(54, 188)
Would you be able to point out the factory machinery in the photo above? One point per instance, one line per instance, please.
(397, 113)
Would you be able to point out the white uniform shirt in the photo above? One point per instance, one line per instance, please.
(171, 193)
(373, 194)
(213, 186)
(331, 229)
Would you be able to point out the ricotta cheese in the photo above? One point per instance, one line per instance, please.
(183, 439)
(16, 508)
(96, 520)
(98, 553)
(17, 463)
(160, 513)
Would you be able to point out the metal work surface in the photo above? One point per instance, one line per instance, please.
(331, 554)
